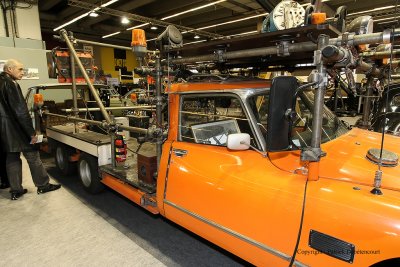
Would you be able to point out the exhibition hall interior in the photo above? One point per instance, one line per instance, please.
(199, 133)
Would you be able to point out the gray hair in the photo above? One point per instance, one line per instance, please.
(10, 63)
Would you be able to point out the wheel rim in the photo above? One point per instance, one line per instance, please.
(84, 171)
(60, 158)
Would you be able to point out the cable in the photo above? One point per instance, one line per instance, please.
(301, 225)
(387, 94)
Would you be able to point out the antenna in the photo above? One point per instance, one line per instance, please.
(378, 174)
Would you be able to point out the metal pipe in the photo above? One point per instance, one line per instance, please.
(368, 68)
(90, 85)
(37, 119)
(113, 161)
(74, 92)
(158, 108)
(103, 44)
(367, 104)
(382, 37)
(68, 110)
(379, 55)
(3, 8)
(323, 40)
(313, 166)
(99, 123)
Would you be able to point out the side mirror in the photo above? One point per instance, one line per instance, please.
(280, 108)
(238, 141)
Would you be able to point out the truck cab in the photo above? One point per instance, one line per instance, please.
(260, 205)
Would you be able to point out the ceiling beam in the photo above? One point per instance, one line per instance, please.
(268, 5)
(131, 5)
(118, 13)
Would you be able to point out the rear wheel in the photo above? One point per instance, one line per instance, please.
(88, 170)
(62, 156)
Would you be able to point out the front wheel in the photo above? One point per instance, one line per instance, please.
(62, 156)
(88, 170)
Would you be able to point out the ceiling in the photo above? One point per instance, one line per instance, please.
(54, 13)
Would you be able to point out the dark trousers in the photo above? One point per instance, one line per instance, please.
(3, 171)
(14, 169)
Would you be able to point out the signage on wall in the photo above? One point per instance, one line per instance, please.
(88, 49)
(31, 74)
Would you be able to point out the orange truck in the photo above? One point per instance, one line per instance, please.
(232, 173)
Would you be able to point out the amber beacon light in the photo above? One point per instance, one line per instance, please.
(38, 100)
(139, 45)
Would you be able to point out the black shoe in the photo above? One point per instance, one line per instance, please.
(16, 195)
(4, 185)
(47, 188)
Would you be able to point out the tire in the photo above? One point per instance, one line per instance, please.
(88, 171)
(62, 154)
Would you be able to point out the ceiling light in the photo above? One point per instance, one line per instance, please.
(84, 15)
(371, 10)
(124, 20)
(193, 9)
(195, 42)
(137, 26)
(196, 37)
(111, 34)
(153, 27)
(93, 14)
(109, 3)
(71, 21)
(228, 22)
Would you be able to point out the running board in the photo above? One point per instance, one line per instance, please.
(134, 194)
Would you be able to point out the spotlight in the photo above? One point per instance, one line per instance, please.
(93, 14)
(196, 37)
(124, 20)
(153, 27)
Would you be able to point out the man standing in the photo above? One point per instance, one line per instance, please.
(3, 173)
(18, 135)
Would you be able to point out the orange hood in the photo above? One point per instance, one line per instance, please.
(346, 159)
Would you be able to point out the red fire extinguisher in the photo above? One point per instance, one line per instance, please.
(120, 148)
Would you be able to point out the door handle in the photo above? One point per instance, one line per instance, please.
(180, 152)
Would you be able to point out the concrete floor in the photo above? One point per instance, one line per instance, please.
(56, 229)
(70, 227)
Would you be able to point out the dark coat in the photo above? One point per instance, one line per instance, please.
(15, 121)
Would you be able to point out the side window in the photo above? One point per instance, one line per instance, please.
(209, 119)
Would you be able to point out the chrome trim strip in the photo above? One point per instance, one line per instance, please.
(237, 235)
(231, 90)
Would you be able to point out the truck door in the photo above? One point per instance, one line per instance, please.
(236, 199)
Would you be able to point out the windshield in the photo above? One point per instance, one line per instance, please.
(301, 133)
